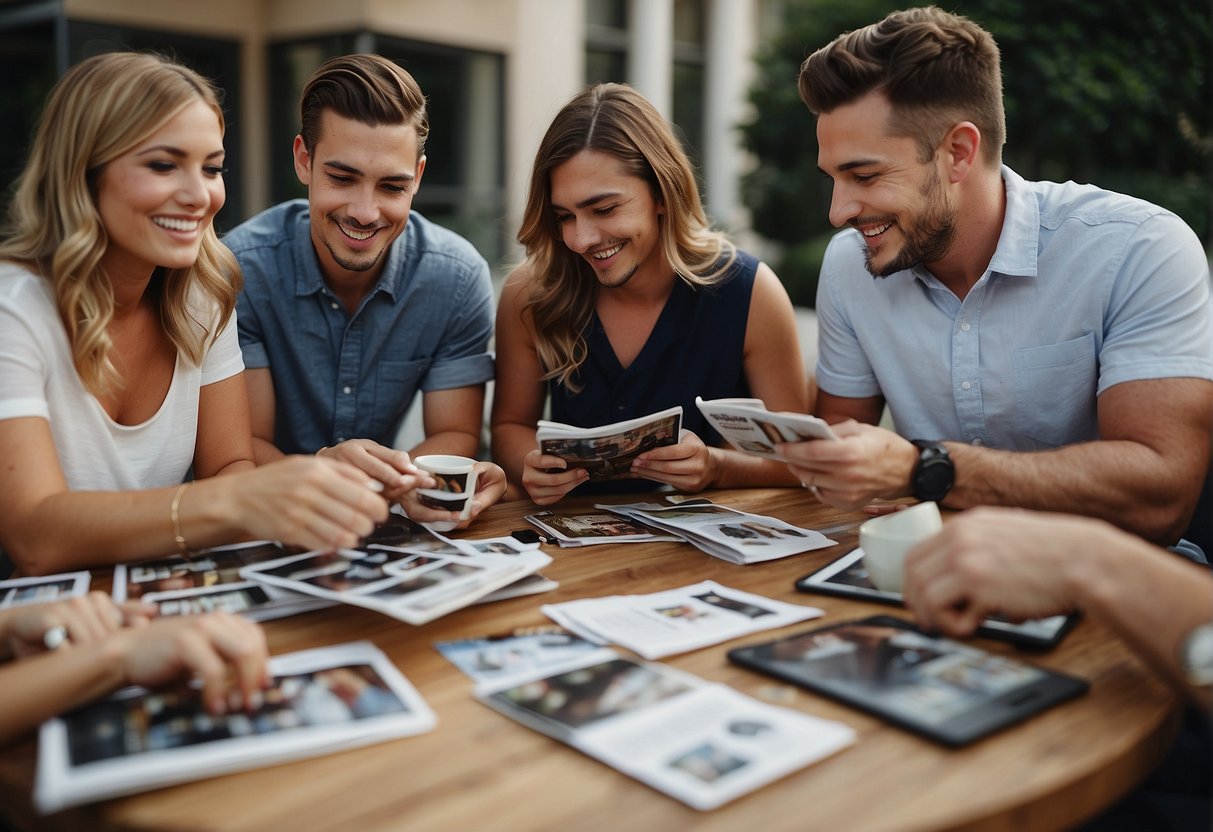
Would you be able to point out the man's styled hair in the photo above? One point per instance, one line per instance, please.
(616, 120)
(365, 88)
(101, 109)
(935, 68)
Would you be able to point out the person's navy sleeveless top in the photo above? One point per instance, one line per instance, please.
(696, 348)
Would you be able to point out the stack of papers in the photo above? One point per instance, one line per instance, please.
(407, 584)
(321, 701)
(211, 580)
(676, 620)
(587, 528)
(15, 592)
(701, 743)
(606, 452)
(726, 533)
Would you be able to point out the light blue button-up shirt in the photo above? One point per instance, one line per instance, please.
(1087, 289)
(425, 326)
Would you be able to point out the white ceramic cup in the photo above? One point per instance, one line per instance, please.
(456, 489)
(886, 539)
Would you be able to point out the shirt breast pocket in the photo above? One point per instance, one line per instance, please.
(395, 387)
(1055, 391)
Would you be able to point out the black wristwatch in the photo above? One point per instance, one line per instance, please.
(934, 474)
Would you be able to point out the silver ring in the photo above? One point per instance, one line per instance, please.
(54, 638)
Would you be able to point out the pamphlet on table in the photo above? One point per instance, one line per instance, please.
(588, 528)
(15, 592)
(606, 452)
(698, 742)
(675, 620)
(323, 700)
(523, 652)
(749, 427)
(726, 533)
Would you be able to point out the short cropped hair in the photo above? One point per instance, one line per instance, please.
(365, 88)
(935, 68)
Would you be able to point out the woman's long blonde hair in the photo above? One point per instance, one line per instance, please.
(617, 120)
(99, 110)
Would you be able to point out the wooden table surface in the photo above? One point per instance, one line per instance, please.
(480, 770)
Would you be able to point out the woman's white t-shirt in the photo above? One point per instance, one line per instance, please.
(38, 378)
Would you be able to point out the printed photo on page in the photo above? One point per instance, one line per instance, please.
(17, 591)
(526, 651)
(677, 620)
(750, 428)
(606, 452)
(701, 743)
(321, 700)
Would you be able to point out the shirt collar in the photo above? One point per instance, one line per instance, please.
(1019, 243)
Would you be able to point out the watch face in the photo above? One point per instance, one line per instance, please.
(933, 479)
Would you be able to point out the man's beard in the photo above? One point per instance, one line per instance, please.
(930, 236)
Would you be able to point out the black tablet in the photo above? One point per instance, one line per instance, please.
(848, 577)
(946, 691)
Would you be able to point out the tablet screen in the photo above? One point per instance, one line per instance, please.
(950, 691)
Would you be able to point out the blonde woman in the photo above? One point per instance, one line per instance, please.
(628, 304)
(119, 365)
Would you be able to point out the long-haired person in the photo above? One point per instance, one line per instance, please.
(119, 365)
(628, 303)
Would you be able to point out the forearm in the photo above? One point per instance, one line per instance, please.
(738, 470)
(1122, 482)
(511, 443)
(265, 451)
(34, 689)
(79, 529)
(457, 442)
(1151, 598)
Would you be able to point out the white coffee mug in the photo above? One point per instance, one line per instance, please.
(456, 476)
(886, 539)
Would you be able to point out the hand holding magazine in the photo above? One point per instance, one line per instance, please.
(606, 452)
(751, 428)
(701, 743)
(323, 700)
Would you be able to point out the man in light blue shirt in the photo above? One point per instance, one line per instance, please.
(353, 302)
(1038, 345)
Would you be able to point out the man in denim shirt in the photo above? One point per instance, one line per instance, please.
(352, 302)
(1039, 345)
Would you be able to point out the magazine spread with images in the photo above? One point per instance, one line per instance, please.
(726, 533)
(606, 452)
(323, 700)
(523, 652)
(17, 591)
(751, 428)
(413, 586)
(698, 742)
(210, 580)
(676, 620)
(587, 528)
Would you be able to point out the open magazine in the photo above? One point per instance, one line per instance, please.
(412, 586)
(323, 700)
(15, 592)
(676, 620)
(606, 452)
(701, 743)
(726, 533)
(210, 580)
(751, 428)
(525, 651)
(587, 528)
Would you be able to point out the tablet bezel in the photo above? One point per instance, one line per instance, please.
(994, 714)
(1036, 634)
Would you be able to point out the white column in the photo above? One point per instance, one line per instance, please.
(729, 55)
(651, 51)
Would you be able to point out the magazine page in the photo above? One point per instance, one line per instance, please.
(412, 586)
(751, 428)
(210, 580)
(701, 743)
(606, 452)
(15, 592)
(525, 652)
(735, 536)
(677, 620)
(587, 528)
(321, 701)
(530, 585)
